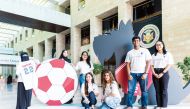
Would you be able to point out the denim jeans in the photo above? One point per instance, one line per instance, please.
(81, 79)
(132, 86)
(104, 106)
(92, 98)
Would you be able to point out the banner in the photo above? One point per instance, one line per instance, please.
(149, 30)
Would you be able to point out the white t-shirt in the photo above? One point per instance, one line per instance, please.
(25, 71)
(93, 87)
(137, 59)
(112, 88)
(161, 60)
(84, 68)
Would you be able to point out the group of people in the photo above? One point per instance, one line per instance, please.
(139, 61)
(89, 90)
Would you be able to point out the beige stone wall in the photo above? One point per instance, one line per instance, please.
(176, 29)
(35, 40)
(175, 19)
(92, 14)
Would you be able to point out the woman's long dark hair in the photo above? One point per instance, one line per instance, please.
(164, 48)
(63, 57)
(88, 59)
(86, 83)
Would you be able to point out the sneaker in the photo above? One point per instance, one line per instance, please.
(92, 107)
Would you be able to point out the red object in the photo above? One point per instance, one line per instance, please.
(122, 79)
(54, 102)
(57, 63)
(44, 83)
(68, 84)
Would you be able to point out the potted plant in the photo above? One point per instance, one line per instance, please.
(98, 68)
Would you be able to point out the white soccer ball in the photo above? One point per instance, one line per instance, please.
(55, 82)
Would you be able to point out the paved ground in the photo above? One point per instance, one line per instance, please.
(8, 101)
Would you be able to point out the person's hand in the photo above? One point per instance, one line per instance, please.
(156, 75)
(86, 101)
(102, 98)
(160, 75)
(130, 77)
(144, 76)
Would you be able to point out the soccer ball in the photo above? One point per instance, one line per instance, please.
(55, 82)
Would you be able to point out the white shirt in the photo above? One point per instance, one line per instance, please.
(93, 87)
(137, 59)
(112, 88)
(25, 71)
(161, 60)
(84, 68)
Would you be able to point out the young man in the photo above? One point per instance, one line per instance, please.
(138, 60)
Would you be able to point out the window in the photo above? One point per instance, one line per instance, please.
(31, 52)
(20, 37)
(12, 44)
(26, 33)
(33, 33)
(53, 55)
(110, 64)
(146, 8)
(67, 41)
(110, 23)
(67, 9)
(16, 40)
(85, 35)
(43, 50)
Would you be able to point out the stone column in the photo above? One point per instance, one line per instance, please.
(38, 52)
(60, 44)
(95, 30)
(125, 11)
(48, 49)
(75, 43)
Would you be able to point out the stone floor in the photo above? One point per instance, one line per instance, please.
(8, 101)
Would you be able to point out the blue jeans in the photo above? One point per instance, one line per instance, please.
(81, 79)
(132, 86)
(92, 98)
(104, 106)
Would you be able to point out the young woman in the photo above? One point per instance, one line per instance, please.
(64, 55)
(161, 63)
(89, 91)
(84, 66)
(111, 96)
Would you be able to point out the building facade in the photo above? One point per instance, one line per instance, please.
(90, 18)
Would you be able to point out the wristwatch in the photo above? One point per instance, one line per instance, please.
(145, 73)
